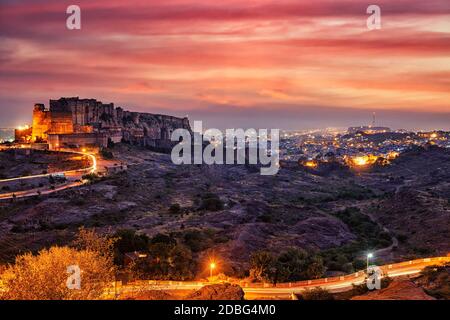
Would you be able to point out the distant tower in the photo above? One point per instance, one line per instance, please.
(373, 119)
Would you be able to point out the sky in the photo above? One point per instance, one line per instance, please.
(288, 64)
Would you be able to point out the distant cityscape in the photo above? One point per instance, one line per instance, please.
(6, 135)
(358, 145)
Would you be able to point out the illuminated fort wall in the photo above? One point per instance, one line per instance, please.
(84, 117)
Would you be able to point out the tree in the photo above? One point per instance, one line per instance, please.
(314, 267)
(44, 276)
(291, 265)
(262, 264)
(175, 208)
(128, 241)
(88, 239)
(181, 263)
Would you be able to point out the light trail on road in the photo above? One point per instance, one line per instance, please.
(285, 290)
(90, 169)
(74, 174)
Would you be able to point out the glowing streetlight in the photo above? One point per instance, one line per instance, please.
(369, 256)
(212, 266)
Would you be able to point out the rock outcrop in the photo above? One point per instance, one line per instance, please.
(224, 291)
(397, 290)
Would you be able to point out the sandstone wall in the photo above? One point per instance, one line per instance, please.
(74, 115)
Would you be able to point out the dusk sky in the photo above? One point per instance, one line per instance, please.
(288, 64)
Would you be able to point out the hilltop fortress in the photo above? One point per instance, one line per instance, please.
(79, 122)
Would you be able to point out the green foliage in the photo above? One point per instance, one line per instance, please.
(369, 237)
(402, 238)
(211, 202)
(106, 154)
(289, 266)
(166, 262)
(164, 239)
(128, 241)
(354, 193)
(175, 208)
(262, 266)
(91, 177)
(196, 240)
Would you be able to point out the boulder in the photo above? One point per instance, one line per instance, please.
(224, 291)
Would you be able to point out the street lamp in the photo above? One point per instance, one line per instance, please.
(369, 256)
(212, 266)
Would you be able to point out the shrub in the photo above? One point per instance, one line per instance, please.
(91, 177)
(211, 202)
(175, 208)
(316, 294)
(196, 240)
(44, 276)
(106, 154)
(128, 241)
(289, 266)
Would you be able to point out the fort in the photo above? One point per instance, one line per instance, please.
(75, 122)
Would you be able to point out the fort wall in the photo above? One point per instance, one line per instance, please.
(90, 120)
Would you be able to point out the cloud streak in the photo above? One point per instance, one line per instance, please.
(198, 55)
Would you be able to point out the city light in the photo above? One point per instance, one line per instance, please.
(369, 256)
(212, 266)
(360, 161)
(393, 155)
(22, 128)
(311, 164)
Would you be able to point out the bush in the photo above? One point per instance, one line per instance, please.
(106, 154)
(91, 177)
(128, 241)
(262, 266)
(369, 237)
(166, 262)
(316, 294)
(289, 266)
(44, 276)
(211, 202)
(196, 240)
(175, 208)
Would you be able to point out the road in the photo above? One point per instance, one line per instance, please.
(74, 177)
(285, 290)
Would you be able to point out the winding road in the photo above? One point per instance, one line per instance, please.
(74, 177)
(285, 290)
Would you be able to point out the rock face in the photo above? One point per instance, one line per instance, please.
(224, 291)
(397, 290)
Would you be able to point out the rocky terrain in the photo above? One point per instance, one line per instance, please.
(232, 211)
(224, 291)
(397, 290)
(25, 162)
